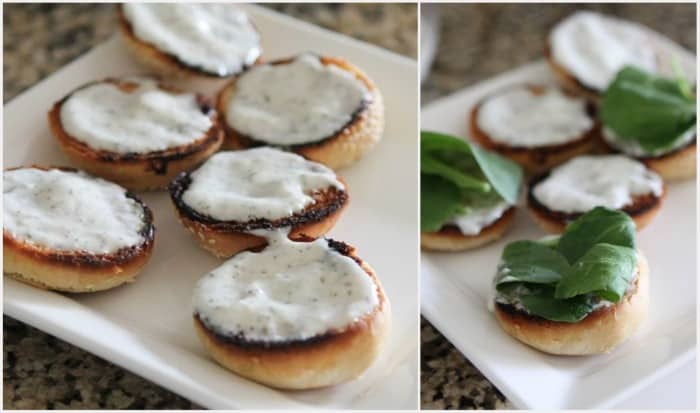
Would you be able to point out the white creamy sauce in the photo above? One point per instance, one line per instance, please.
(215, 38)
(69, 211)
(256, 183)
(632, 148)
(520, 118)
(145, 119)
(294, 103)
(513, 299)
(593, 48)
(476, 219)
(289, 291)
(585, 182)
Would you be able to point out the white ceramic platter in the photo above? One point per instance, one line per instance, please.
(455, 288)
(146, 327)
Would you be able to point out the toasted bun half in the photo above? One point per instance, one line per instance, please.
(226, 238)
(138, 171)
(600, 332)
(568, 81)
(159, 62)
(542, 158)
(449, 238)
(77, 271)
(677, 165)
(642, 210)
(326, 360)
(342, 149)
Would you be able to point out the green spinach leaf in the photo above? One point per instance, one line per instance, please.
(596, 226)
(530, 262)
(650, 109)
(605, 270)
(439, 201)
(560, 279)
(430, 165)
(503, 175)
(543, 304)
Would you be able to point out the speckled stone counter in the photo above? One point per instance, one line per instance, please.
(479, 41)
(41, 371)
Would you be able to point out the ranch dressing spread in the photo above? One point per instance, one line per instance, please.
(476, 219)
(214, 38)
(256, 183)
(69, 211)
(289, 291)
(299, 102)
(593, 48)
(521, 118)
(632, 148)
(142, 120)
(585, 182)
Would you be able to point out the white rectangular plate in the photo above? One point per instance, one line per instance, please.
(146, 326)
(455, 288)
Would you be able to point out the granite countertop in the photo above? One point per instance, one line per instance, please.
(477, 42)
(41, 371)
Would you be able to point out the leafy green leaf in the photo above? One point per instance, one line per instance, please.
(561, 279)
(439, 201)
(596, 226)
(431, 141)
(543, 304)
(432, 166)
(605, 270)
(505, 175)
(530, 262)
(650, 109)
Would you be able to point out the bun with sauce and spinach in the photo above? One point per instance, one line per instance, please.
(467, 193)
(579, 294)
(652, 119)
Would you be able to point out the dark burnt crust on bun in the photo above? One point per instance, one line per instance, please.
(537, 154)
(171, 59)
(240, 342)
(357, 116)
(328, 201)
(84, 259)
(516, 315)
(157, 160)
(641, 204)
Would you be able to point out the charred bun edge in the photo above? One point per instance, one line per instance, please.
(316, 212)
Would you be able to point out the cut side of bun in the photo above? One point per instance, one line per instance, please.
(642, 210)
(600, 332)
(449, 238)
(342, 149)
(138, 171)
(320, 361)
(541, 158)
(226, 238)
